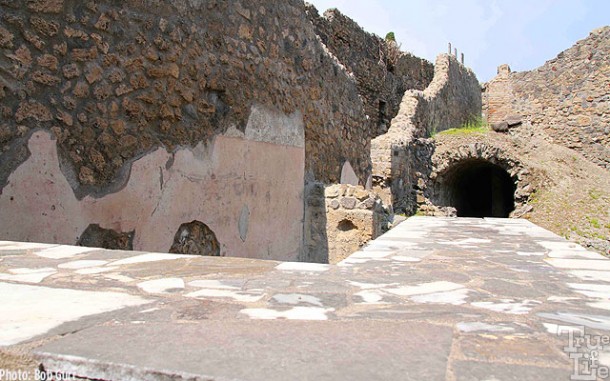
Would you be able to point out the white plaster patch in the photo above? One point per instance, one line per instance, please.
(516, 269)
(369, 286)
(295, 299)
(601, 291)
(120, 278)
(302, 266)
(370, 254)
(365, 256)
(212, 283)
(585, 264)
(556, 329)
(27, 275)
(477, 326)
(150, 257)
(418, 221)
(591, 321)
(406, 235)
(530, 253)
(239, 296)
(371, 297)
(574, 254)
(381, 245)
(82, 264)
(508, 306)
(161, 286)
(465, 241)
(402, 258)
(150, 310)
(349, 262)
(510, 232)
(398, 239)
(271, 126)
(591, 275)
(455, 297)
(602, 305)
(10, 245)
(348, 176)
(561, 299)
(425, 288)
(28, 311)
(561, 245)
(295, 313)
(95, 270)
(63, 251)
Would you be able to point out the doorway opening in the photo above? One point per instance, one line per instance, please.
(478, 188)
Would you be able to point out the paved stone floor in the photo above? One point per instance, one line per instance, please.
(433, 299)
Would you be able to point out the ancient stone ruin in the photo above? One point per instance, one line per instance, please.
(272, 132)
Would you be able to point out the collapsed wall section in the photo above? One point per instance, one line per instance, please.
(568, 97)
(401, 157)
(383, 73)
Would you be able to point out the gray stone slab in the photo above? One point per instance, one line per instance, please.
(255, 350)
(494, 291)
(510, 348)
(484, 371)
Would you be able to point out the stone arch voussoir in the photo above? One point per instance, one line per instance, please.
(445, 163)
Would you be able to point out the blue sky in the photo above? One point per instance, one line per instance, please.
(522, 33)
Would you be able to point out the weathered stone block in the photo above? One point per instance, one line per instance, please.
(93, 73)
(81, 89)
(6, 38)
(48, 61)
(335, 204)
(45, 6)
(500, 127)
(32, 110)
(45, 79)
(70, 70)
(332, 191)
(348, 202)
(44, 27)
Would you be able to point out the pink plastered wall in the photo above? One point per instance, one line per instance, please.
(253, 176)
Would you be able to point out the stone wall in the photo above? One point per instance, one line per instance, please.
(354, 216)
(143, 117)
(568, 97)
(116, 80)
(453, 154)
(383, 73)
(401, 157)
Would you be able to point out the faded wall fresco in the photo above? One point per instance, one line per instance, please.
(260, 170)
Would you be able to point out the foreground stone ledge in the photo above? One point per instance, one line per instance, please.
(433, 299)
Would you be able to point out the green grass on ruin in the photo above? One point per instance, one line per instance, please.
(479, 126)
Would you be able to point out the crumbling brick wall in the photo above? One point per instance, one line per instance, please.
(402, 156)
(568, 97)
